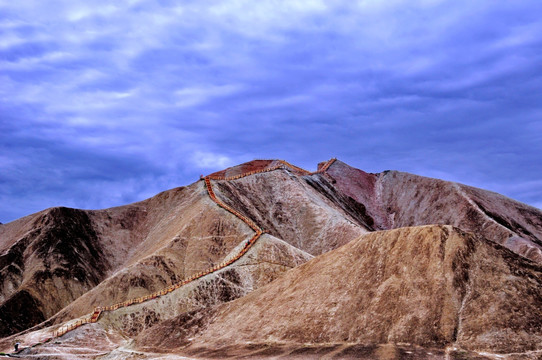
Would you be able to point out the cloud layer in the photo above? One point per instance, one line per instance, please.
(107, 103)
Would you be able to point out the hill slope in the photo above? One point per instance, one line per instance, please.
(395, 199)
(433, 286)
(425, 286)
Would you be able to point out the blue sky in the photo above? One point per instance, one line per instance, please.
(104, 103)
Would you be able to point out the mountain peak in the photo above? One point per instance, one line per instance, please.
(260, 165)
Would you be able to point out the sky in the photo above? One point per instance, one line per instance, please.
(104, 103)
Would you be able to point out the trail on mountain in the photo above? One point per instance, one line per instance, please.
(94, 317)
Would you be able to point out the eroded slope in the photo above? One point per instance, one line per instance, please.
(395, 199)
(264, 262)
(432, 286)
(51, 258)
(49, 267)
(286, 205)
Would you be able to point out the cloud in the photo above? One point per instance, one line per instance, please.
(109, 96)
(191, 96)
(207, 160)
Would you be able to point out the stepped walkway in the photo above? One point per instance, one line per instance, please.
(257, 233)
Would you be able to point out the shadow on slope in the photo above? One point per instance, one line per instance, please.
(396, 199)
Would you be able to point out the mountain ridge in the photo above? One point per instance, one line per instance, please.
(180, 233)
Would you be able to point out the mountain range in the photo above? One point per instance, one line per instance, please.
(267, 260)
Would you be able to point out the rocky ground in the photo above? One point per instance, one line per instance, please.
(353, 265)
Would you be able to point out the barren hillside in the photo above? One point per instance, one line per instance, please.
(401, 264)
(433, 286)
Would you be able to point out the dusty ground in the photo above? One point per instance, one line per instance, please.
(433, 286)
(414, 292)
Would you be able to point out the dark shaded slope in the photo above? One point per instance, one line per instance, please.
(396, 199)
(524, 221)
(63, 249)
(361, 187)
(51, 258)
(354, 209)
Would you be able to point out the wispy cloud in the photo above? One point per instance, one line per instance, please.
(111, 95)
(207, 160)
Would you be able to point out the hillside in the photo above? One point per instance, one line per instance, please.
(395, 199)
(433, 286)
(419, 261)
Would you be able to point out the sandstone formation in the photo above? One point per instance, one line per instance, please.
(402, 266)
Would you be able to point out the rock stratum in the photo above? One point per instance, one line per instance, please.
(267, 260)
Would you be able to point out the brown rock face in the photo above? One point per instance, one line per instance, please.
(130, 251)
(310, 217)
(385, 281)
(266, 261)
(62, 247)
(394, 199)
(434, 286)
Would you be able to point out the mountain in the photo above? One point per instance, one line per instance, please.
(428, 285)
(334, 263)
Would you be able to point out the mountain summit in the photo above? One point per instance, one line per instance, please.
(267, 260)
